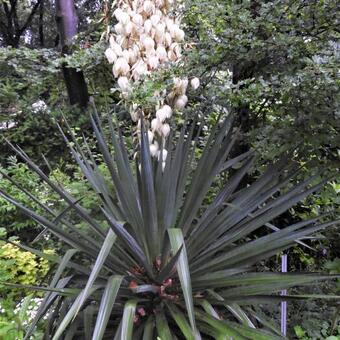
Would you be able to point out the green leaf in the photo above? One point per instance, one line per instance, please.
(177, 241)
(106, 305)
(181, 321)
(128, 318)
(98, 266)
(162, 326)
(149, 328)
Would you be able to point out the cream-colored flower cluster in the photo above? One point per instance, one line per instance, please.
(147, 36)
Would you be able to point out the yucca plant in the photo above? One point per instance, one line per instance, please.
(164, 262)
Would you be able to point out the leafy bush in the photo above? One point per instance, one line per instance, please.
(13, 321)
(161, 261)
(22, 266)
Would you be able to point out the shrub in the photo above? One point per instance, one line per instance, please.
(162, 261)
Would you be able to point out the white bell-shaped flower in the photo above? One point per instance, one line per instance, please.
(161, 53)
(129, 28)
(126, 55)
(167, 39)
(117, 13)
(172, 30)
(156, 124)
(119, 28)
(154, 150)
(123, 83)
(147, 26)
(132, 56)
(179, 35)
(138, 19)
(161, 114)
(180, 102)
(139, 69)
(150, 136)
(165, 130)
(160, 33)
(148, 7)
(155, 19)
(153, 62)
(121, 67)
(123, 18)
(117, 49)
(169, 23)
(168, 110)
(159, 3)
(195, 83)
(183, 85)
(148, 43)
(110, 55)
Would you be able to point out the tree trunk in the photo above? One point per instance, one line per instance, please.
(67, 22)
(41, 24)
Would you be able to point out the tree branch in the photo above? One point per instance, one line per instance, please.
(30, 17)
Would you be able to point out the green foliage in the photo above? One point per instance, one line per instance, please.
(321, 334)
(21, 266)
(158, 259)
(334, 268)
(279, 72)
(10, 217)
(14, 320)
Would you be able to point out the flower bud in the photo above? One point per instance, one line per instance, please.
(110, 55)
(180, 102)
(195, 83)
